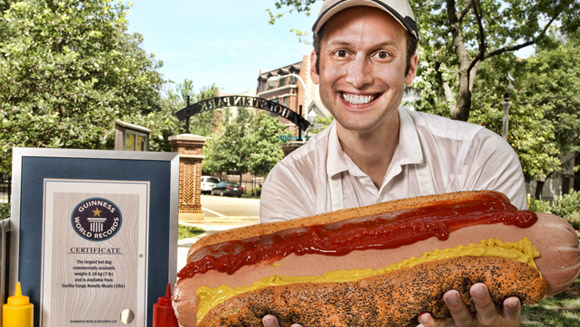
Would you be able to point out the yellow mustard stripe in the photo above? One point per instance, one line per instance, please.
(523, 251)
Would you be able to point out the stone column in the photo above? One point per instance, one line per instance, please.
(190, 148)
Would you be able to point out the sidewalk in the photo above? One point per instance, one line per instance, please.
(210, 226)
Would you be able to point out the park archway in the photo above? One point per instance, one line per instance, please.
(244, 101)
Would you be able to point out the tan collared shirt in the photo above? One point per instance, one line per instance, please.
(434, 155)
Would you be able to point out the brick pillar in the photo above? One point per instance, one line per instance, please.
(288, 147)
(189, 147)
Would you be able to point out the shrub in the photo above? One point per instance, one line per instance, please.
(566, 206)
(537, 205)
(4, 210)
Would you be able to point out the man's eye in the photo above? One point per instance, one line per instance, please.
(341, 53)
(382, 55)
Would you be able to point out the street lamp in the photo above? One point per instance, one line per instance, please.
(311, 117)
(273, 79)
(506, 107)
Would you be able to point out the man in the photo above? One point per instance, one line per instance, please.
(376, 150)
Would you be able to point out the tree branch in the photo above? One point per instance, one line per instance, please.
(522, 45)
(465, 11)
(482, 46)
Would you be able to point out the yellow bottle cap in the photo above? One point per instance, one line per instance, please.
(18, 298)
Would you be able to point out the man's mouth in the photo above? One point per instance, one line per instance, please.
(358, 99)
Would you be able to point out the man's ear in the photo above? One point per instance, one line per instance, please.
(412, 70)
(313, 71)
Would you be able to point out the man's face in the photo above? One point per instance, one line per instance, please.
(362, 67)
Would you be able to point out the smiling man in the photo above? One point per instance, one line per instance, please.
(377, 150)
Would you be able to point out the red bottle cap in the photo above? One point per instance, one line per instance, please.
(163, 314)
(165, 301)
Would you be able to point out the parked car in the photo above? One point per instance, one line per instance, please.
(228, 188)
(208, 183)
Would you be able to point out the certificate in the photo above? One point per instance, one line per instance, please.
(95, 238)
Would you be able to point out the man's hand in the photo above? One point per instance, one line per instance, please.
(271, 321)
(487, 313)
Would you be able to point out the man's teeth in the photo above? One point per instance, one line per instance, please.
(357, 99)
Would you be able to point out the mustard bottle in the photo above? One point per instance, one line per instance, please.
(18, 311)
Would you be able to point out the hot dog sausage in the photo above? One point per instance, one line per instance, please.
(557, 242)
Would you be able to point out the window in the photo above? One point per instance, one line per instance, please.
(135, 141)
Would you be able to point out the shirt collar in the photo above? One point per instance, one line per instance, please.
(336, 161)
(408, 150)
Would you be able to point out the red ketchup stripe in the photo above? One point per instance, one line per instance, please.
(343, 237)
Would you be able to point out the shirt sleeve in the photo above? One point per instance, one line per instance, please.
(492, 164)
(286, 194)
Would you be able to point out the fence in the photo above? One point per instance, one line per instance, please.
(5, 188)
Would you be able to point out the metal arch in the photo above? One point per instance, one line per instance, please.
(243, 101)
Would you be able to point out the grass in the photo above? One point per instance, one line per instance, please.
(184, 231)
(562, 310)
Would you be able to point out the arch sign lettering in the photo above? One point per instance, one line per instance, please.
(242, 101)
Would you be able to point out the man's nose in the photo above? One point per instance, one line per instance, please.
(359, 72)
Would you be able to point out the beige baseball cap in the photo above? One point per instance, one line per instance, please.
(399, 9)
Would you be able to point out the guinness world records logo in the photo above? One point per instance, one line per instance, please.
(96, 219)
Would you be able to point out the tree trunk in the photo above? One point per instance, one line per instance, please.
(461, 111)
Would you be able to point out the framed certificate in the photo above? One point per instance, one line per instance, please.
(94, 234)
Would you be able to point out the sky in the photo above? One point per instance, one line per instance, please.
(221, 42)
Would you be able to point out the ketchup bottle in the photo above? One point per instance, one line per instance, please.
(163, 314)
(18, 311)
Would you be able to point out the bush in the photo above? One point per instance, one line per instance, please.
(537, 205)
(566, 206)
(4, 210)
(257, 191)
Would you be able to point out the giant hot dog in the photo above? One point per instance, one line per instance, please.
(378, 265)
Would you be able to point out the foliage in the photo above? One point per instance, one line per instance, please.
(550, 81)
(566, 206)
(321, 124)
(247, 143)
(164, 123)
(530, 133)
(264, 140)
(4, 210)
(68, 69)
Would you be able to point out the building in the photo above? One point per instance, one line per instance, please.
(292, 87)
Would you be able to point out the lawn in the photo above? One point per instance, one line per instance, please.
(184, 231)
(562, 310)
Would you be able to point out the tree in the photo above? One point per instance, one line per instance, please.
(249, 143)
(457, 36)
(164, 123)
(68, 69)
(229, 151)
(264, 140)
(543, 118)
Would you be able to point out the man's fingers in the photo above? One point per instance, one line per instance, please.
(270, 321)
(459, 311)
(427, 320)
(512, 309)
(486, 310)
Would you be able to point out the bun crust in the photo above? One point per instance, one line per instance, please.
(392, 299)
